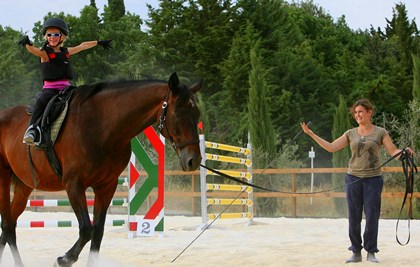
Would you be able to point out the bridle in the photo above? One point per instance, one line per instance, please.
(162, 126)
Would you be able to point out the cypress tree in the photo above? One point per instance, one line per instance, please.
(117, 9)
(260, 126)
(416, 78)
(93, 4)
(340, 158)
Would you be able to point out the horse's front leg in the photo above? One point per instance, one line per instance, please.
(103, 198)
(5, 182)
(77, 198)
(10, 212)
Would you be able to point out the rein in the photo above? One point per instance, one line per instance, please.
(269, 189)
(407, 161)
(409, 168)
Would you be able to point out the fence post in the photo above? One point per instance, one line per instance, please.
(293, 197)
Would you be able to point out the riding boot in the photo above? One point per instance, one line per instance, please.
(32, 135)
(371, 257)
(356, 257)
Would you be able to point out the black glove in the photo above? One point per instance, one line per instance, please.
(105, 43)
(25, 41)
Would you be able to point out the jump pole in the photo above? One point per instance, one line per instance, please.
(205, 202)
(153, 220)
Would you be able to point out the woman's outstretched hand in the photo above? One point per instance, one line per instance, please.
(305, 128)
(410, 151)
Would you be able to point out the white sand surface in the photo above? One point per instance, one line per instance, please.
(269, 242)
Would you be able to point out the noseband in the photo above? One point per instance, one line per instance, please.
(162, 125)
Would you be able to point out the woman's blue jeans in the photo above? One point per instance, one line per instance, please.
(364, 195)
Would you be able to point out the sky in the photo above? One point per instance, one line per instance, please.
(360, 14)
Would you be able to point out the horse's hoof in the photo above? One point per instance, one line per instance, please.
(63, 262)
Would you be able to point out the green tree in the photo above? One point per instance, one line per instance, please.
(234, 71)
(405, 33)
(306, 62)
(191, 37)
(93, 4)
(416, 78)
(17, 70)
(260, 125)
(340, 158)
(116, 8)
(403, 36)
(123, 59)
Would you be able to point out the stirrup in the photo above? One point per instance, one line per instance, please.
(32, 131)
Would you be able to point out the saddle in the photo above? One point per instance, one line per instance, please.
(50, 123)
(53, 116)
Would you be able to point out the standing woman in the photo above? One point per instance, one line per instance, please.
(55, 68)
(364, 177)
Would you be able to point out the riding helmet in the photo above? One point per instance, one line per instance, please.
(55, 23)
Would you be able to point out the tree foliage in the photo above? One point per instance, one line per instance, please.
(15, 75)
(116, 10)
(416, 78)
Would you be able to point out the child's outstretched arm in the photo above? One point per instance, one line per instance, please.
(25, 42)
(88, 45)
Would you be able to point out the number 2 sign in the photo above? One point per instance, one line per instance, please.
(146, 227)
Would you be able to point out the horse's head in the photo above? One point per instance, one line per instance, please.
(178, 122)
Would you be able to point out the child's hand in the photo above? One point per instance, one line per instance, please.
(25, 41)
(105, 43)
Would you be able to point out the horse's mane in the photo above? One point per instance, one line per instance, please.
(84, 92)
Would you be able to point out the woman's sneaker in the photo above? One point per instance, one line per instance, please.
(371, 257)
(356, 257)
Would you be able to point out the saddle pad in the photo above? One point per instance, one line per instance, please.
(56, 126)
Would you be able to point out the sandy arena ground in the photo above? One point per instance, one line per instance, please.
(269, 242)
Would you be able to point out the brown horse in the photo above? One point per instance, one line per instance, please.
(92, 149)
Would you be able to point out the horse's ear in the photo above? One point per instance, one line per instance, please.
(197, 86)
(174, 83)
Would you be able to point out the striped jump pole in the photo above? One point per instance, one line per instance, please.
(70, 223)
(246, 175)
(65, 202)
(153, 220)
(48, 203)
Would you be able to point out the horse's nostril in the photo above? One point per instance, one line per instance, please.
(191, 162)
